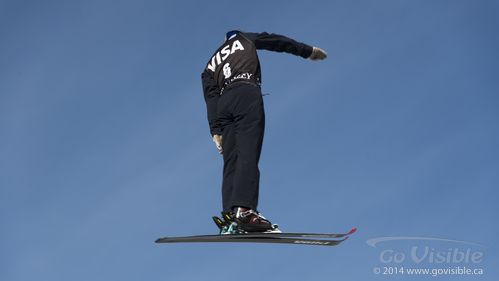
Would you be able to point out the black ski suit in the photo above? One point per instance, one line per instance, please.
(231, 86)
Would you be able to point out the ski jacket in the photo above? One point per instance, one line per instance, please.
(237, 60)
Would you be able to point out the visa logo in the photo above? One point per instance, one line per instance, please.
(224, 53)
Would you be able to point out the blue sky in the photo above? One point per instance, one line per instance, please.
(104, 143)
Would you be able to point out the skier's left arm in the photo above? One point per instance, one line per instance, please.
(211, 93)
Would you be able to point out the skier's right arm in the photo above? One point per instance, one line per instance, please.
(280, 43)
(211, 95)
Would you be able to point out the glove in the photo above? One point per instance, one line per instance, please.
(217, 139)
(317, 54)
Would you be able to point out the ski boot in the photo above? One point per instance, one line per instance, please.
(252, 221)
(244, 220)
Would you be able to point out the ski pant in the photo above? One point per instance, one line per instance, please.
(241, 113)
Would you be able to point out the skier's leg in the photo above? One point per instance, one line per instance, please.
(230, 159)
(249, 119)
(241, 173)
(226, 121)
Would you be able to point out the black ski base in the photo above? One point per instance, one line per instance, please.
(316, 239)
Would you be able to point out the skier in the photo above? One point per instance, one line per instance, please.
(231, 85)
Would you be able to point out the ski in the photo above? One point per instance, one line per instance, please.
(252, 239)
(323, 239)
(273, 235)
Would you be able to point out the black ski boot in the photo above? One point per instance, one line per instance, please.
(244, 220)
(249, 220)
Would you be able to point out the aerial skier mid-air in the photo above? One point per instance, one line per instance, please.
(231, 85)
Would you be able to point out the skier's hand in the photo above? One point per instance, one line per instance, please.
(318, 54)
(217, 139)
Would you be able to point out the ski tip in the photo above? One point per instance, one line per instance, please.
(352, 231)
(159, 240)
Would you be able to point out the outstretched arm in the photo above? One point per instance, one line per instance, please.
(281, 43)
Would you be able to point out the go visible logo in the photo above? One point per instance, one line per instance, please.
(427, 250)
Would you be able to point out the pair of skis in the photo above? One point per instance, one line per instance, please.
(316, 239)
